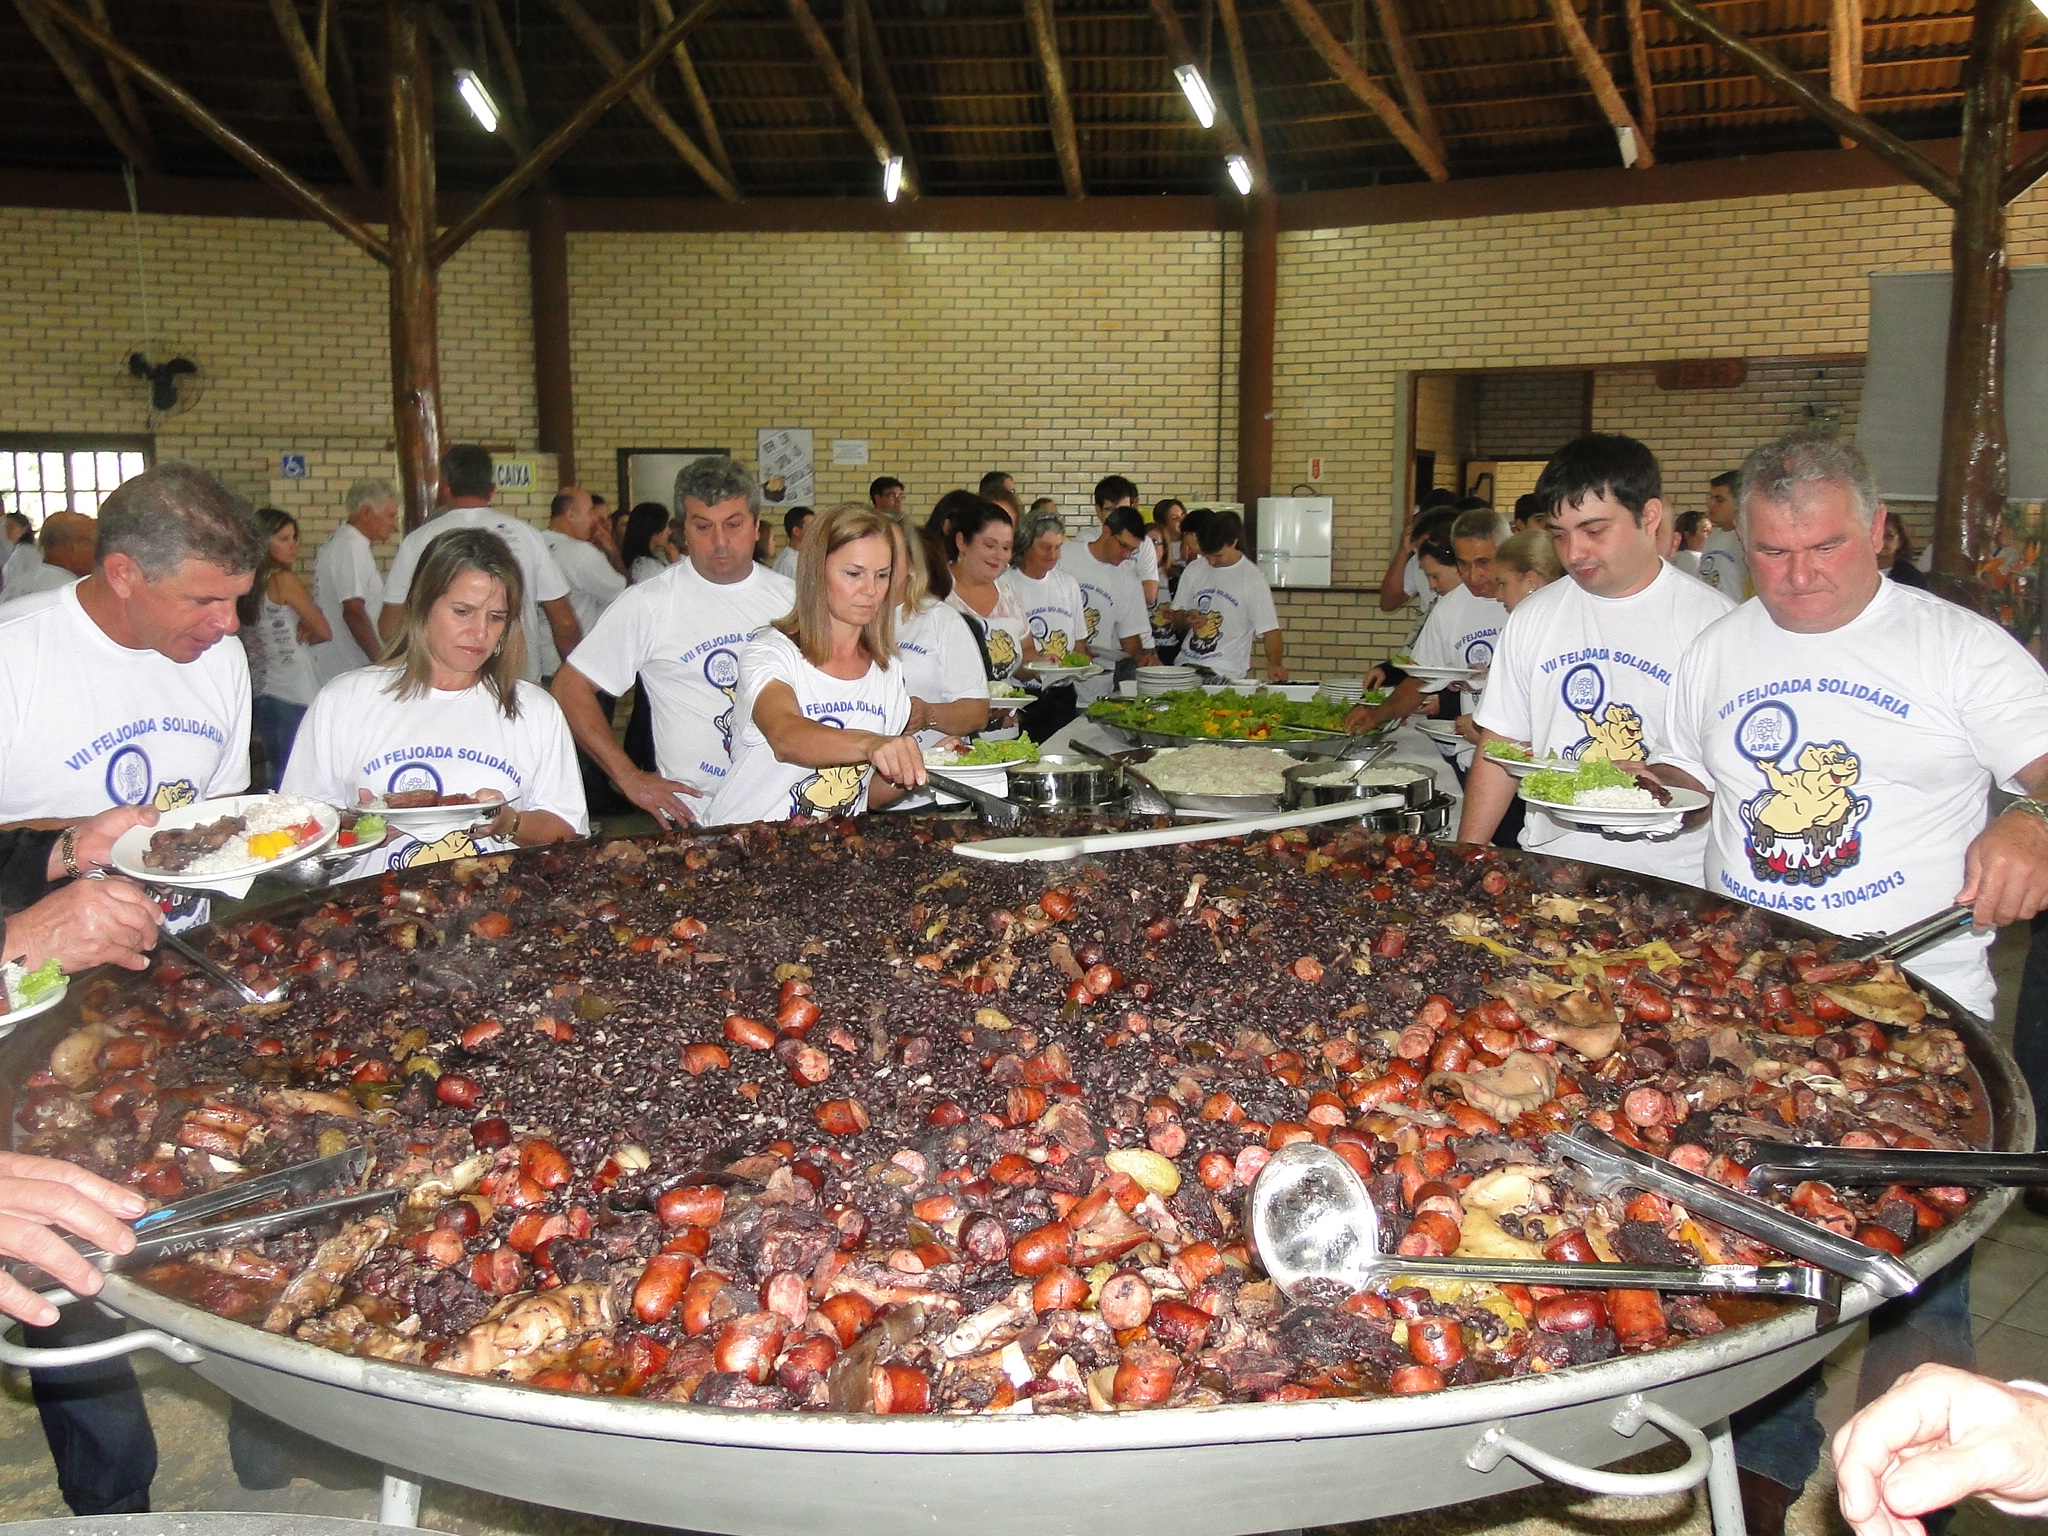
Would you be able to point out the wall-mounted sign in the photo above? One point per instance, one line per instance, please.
(292, 465)
(513, 474)
(1702, 373)
(849, 450)
(1315, 470)
(788, 471)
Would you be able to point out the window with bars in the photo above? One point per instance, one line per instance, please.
(45, 473)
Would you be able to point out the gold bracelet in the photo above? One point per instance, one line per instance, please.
(67, 851)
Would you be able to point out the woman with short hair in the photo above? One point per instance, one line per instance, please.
(821, 699)
(446, 711)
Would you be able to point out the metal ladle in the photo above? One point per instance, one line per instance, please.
(1312, 1220)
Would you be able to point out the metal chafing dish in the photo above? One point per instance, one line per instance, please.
(1307, 785)
(1333, 745)
(1217, 1471)
(1067, 781)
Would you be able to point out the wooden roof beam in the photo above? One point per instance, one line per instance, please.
(456, 235)
(1888, 147)
(1364, 87)
(1180, 51)
(835, 76)
(1241, 74)
(353, 230)
(1059, 110)
(1396, 38)
(133, 148)
(508, 56)
(700, 99)
(1639, 70)
(124, 90)
(1845, 56)
(1566, 14)
(606, 53)
(876, 68)
(313, 80)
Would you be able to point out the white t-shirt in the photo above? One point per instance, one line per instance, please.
(1236, 606)
(43, 578)
(344, 569)
(1461, 631)
(1003, 628)
(1146, 559)
(646, 568)
(359, 736)
(543, 578)
(940, 661)
(22, 559)
(1852, 768)
(761, 787)
(785, 563)
(1055, 613)
(1581, 677)
(682, 636)
(1112, 601)
(89, 724)
(592, 581)
(280, 663)
(1723, 565)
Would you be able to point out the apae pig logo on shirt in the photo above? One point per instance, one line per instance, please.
(1805, 825)
(722, 671)
(1613, 731)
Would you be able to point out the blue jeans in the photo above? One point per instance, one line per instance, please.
(276, 722)
(94, 1418)
(1781, 1435)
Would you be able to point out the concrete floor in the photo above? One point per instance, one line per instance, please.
(2009, 1301)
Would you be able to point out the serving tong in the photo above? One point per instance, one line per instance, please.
(995, 810)
(1785, 1166)
(196, 1225)
(1907, 940)
(1312, 1220)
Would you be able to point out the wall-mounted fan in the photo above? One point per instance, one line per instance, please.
(175, 381)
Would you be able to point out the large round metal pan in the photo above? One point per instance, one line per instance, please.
(1308, 746)
(1197, 1472)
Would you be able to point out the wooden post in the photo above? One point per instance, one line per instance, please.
(1260, 274)
(547, 265)
(1970, 494)
(415, 284)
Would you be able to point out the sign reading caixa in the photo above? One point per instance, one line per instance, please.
(513, 474)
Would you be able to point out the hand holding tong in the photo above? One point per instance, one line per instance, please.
(1908, 940)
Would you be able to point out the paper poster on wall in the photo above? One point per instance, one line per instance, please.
(788, 472)
(849, 450)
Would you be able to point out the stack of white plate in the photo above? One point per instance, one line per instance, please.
(1342, 692)
(1162, 679)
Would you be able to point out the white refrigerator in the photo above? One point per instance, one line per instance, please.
(1294, 540)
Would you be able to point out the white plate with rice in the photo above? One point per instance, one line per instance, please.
(1442, 676)
(1522, 767)
(1620, 810)
(424, 823)
(1046, 672)
(259, 813)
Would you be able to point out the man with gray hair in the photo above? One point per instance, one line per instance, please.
(126, 690)
(680, 633)
(346, 582)
(1850, 730)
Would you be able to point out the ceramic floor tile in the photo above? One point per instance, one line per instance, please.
(2030, 1312)
(2001, 1274)
(2021, 1228)
(2007, 1352)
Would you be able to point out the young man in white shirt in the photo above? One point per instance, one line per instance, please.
(1224, 604)
(1119, 620)
(1111, 492)
(346, 582)
(1585, 667)
(1850, 730)
(466, 488)
(793, 522)
(681, 633)
(127, 689)
(1722, 563)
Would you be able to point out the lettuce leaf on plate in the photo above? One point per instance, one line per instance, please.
(1560, 788)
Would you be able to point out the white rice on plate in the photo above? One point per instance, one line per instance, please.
(1615, 798)
(272, 814)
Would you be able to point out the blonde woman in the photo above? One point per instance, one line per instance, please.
(1523, 564)
(821, 698)
(446, 710)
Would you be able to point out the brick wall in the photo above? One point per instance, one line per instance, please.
(1056, 356)
(1059, 358)
(1527, 415)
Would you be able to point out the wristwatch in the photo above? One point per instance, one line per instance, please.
(67, 851)
(2031, 807)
